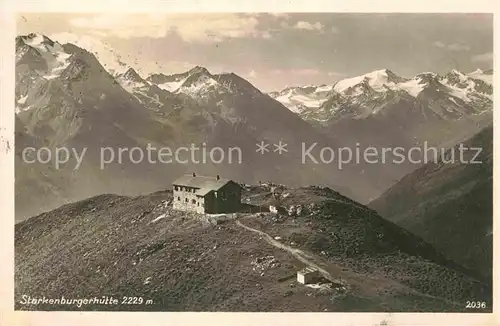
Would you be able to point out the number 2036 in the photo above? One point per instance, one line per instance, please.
(475, 305)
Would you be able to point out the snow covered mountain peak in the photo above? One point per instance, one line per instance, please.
(300, 98)
(199, 83)
(131, 75)
(173, 83)
(377, 80)
(484, 75)
(39, 41)
(113, 62)
(45, 56)
(479, 71)
(427, 79)
(449, 95)
(198, 70)
(131, 80)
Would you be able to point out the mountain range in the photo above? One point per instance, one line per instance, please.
(448, 96)
(383, 108)
(405, 247)
(65, 97)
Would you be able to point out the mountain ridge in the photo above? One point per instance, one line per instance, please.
(122, 243)
(85, 106)
(431, 198)
(477, 87)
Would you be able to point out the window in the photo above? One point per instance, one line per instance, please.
(193, 201)
(179, 198)
(186, 200)
(176, 188)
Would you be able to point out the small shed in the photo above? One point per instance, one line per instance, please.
(308, 275)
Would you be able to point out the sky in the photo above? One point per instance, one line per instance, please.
(274, 51)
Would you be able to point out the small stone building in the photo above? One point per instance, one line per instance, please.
(206, 195)
(308, 275)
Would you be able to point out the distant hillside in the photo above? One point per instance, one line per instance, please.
(449, 205)
(138, 246)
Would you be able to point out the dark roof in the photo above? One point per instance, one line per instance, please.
(203, 183)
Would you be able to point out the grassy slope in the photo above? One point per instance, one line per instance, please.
(108, 245)
(450, 206)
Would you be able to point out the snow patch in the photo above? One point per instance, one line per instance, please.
(413, 87)
(36, 42)
(459, 93)
(22, 100)
(324, 88)
(297, 103)
(200, 85)
(54, 55)
(129, 85)
(19, 109)
(479, 74)
(155, 99)
(171, 86)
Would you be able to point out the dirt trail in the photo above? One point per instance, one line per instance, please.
(346, 278)
(297, 253)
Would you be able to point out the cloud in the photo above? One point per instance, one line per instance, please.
(200, 28)
(485, 57)
(439, 44)
(458, 47)
(280, 15)
(452, 47)
(308, 26)
(335, 74)
(306, 72)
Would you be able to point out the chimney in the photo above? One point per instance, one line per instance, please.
(218, 177)
(194, 174)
